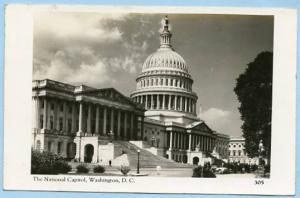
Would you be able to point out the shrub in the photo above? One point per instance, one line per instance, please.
(125, 170)
(254, 167)
(203, 172)
(61, 166)
(82, 168)
(99, 169)
(48, 163)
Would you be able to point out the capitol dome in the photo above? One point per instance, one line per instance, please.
(165, 86)
(165, 58)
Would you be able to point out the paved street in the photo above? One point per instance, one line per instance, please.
(175, 172)
(238, 176)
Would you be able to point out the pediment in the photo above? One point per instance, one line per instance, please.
(201, 126)
(109, 94)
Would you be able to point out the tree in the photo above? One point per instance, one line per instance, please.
(254, 92)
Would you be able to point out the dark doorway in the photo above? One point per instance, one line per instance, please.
(184, 159)
(88, 153)
(195, 160)
(71, 150)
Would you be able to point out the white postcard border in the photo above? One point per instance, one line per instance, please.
(17, 109)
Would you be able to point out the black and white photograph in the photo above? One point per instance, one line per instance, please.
(185, 95)
(130, 95)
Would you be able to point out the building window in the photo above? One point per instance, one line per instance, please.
(234, 146)
(41, 121)
(42, 104)
(69, 125)
(61, 108)
(239, 153)
(52, 106)
(233, 153)
(51, 122)
(60, 124)
(49, 146)
(59, 145)
(70, 109)
(77, 125)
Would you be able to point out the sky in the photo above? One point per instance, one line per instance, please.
(108, 50)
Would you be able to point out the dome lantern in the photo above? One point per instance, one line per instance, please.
(165, 35)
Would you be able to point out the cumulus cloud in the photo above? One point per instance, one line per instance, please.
(60, 69)
(217, 119)
(88, 47)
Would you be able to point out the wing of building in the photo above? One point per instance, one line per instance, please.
(80, 122)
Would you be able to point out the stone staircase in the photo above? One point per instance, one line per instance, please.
(147, 159)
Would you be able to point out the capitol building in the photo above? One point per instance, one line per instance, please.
(89, 124)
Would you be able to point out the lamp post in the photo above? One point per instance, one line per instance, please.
(138, 162)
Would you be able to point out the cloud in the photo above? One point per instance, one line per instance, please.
(75, 47)
(61, 69)
(217, 119)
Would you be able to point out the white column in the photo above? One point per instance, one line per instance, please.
(45, 114)
(73, 117)
(146, 104)
(169, 102)
(152, 101)
(182, 141)
(125, 125)
(175, 140)
(104, 120)
(37, 112)
(89, 119)
(112, 121)
(190, 142)
(55, 115)
(175, 102)
(158, 101)
(97, 120)
(181, 107)
(185, 104)
(142, 99)
(65, 118)
(163, 102)
(119, 124)
(171, 141)
(131, 125)
(80, 117)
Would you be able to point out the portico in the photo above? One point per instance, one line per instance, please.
(82, 114)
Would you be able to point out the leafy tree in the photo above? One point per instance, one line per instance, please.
(48, 163)
(254, 92)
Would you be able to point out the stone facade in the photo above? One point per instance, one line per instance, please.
(237, 152)
(164, 88)
(74, 121)
(221, 147)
